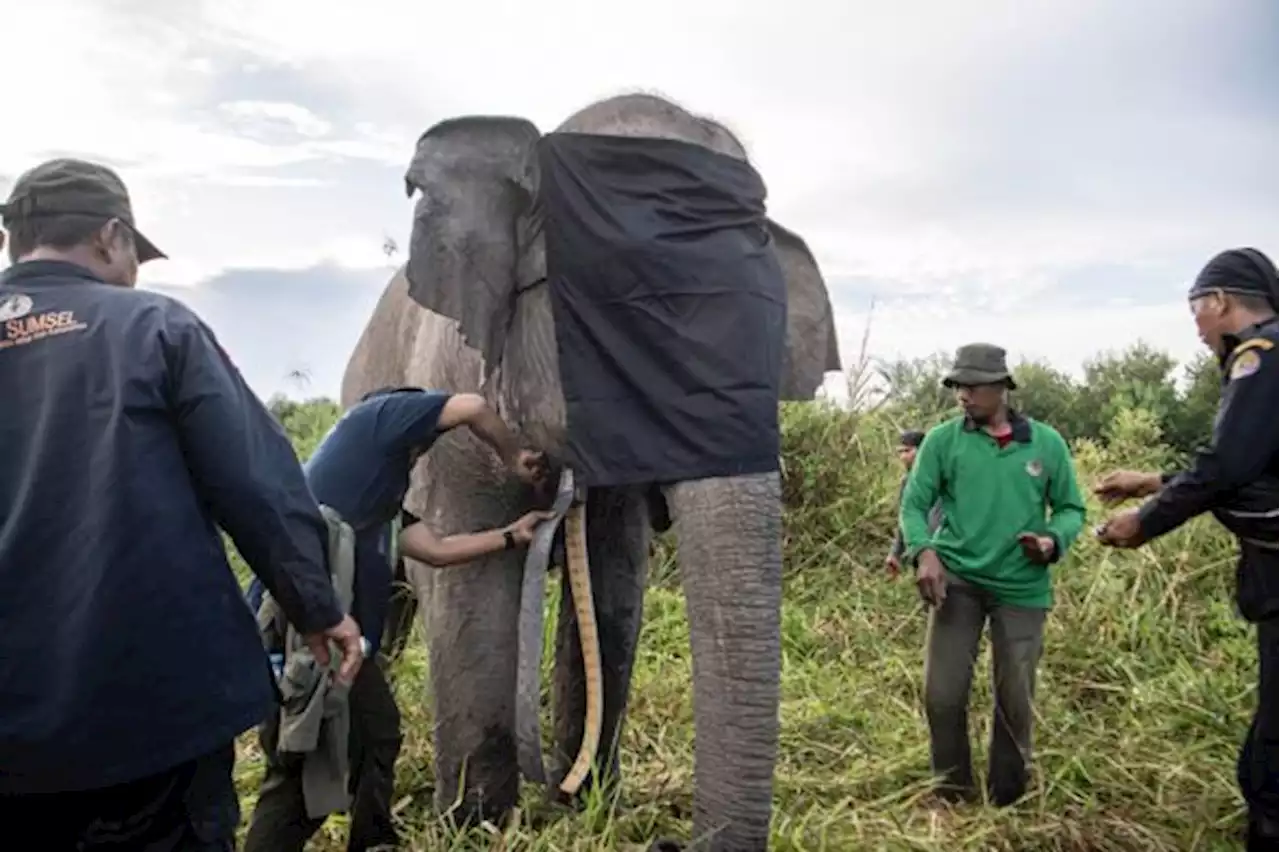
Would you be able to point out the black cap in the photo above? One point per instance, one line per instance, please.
(1245, 271)
(67, 186)
(911, 438)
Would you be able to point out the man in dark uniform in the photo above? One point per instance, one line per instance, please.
(1234, 302)
(128, 660)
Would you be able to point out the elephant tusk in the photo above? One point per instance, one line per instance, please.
(584, 606)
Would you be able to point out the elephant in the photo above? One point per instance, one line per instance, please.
(478, 318)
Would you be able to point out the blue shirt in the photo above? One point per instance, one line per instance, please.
(127, 434)
(361, 470)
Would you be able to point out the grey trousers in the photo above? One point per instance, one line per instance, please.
(951, 649)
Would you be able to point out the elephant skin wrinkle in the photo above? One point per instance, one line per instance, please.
(729, 535)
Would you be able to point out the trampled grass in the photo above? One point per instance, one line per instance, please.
(1145, 690)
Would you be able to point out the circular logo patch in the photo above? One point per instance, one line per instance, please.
(15, 306)
(1246, 364)
(1034, 468)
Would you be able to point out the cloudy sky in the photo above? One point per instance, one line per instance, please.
(1046, 175)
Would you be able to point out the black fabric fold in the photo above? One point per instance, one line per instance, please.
(670, 308)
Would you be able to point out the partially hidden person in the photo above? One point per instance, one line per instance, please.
(1012, 506)
(128, 661)
(1234, 304)
(361, 471)
(908, 444)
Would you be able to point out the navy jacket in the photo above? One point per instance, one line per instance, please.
(1234, 477)
(127, 434)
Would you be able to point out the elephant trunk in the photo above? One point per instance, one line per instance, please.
(729, 534)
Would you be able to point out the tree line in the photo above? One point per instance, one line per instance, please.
(1180, 399)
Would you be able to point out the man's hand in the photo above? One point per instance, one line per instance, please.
(471, 409)
(347, 634)
(524, 527)
(931, 579)
(530, 467)
(892, 566)
(1122, 530)
(1124, 484)
(1038, 548)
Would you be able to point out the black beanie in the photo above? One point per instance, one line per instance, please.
(1244, 271)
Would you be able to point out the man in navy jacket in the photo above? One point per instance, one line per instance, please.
(128, 660)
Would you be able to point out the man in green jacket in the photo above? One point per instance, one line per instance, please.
(1011, 508)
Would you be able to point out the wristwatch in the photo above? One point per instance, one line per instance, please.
(510, 539)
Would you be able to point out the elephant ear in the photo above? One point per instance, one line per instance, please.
(478, 179)
(811, 349)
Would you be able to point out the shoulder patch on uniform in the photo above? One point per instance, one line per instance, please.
(1254, 343)
(1245, 364)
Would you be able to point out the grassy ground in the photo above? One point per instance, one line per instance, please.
(1146, 688)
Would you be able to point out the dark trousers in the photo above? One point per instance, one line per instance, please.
(1017, 635)
(1256, 769)
(280, 822)
(189, 808)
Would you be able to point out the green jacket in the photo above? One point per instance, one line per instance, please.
(989, 496)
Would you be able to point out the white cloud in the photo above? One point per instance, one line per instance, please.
(299, 118)
(174, 272)
(263, 181)
(974, 154)
(842, 104)
(1065, 339)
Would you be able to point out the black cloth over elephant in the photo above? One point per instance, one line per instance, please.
(670, 308)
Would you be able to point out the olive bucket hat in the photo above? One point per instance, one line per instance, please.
(979, 364)
(67, 186)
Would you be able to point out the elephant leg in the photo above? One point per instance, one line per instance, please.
(729, 542)
(470, 613)
(617, 527)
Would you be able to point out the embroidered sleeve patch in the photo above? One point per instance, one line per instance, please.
(1245, 364)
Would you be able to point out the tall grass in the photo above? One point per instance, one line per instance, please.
(1145, 689)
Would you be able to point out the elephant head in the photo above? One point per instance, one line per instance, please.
(477, 253)
(477, 266)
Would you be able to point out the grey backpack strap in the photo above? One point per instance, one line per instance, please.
(342, 556)
(303, 685)
(342, 569)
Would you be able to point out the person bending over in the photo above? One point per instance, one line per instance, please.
(361, 470)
